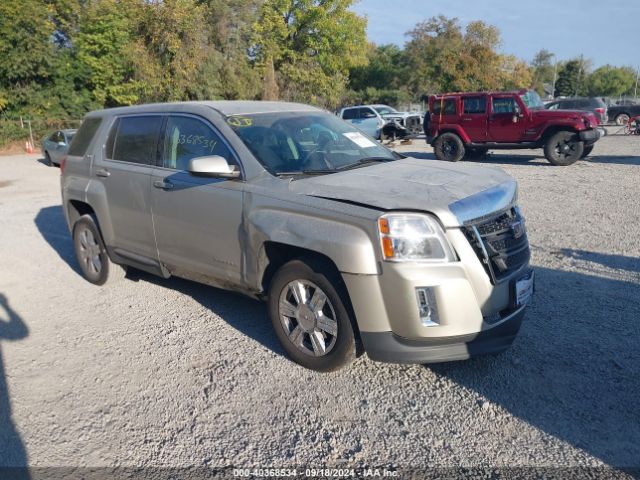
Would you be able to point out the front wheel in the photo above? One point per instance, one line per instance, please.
(449, 147)
(564, 148)
(309, 316)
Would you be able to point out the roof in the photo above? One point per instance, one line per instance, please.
(457, 94)
(225, 107)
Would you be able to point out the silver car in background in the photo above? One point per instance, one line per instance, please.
(354, 248)
(56, 145)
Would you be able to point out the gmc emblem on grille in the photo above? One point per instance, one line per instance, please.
(518, 229)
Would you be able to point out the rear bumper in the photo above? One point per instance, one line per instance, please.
(589, 137)
(391, 348)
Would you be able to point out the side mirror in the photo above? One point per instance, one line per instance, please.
(213, 166)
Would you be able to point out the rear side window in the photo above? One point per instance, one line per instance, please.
(135, 139)
(350, 114)
(449, 106)
(83, 137)
(367, 113)
(474, 105)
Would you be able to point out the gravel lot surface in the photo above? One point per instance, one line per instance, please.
(152, 372)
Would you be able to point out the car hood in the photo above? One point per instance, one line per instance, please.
(564, 114)
(455, 193)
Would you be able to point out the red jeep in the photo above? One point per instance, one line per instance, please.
(462, 125)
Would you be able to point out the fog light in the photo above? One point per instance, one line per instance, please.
(427, 307)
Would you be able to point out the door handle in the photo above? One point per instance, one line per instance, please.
(163, 185)
(103, 172)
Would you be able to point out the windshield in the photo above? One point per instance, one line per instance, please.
(384, 110)
(306, 142)
(532, 100)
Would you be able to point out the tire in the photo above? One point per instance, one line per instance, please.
(563, 149)
(295, 315)
(449, 147)
(92, 256)
(587, 151)
(47, 158)
(475, 153)
(622, 119)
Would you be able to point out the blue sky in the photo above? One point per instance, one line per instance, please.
(605, 31)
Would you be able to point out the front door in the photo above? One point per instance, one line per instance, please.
(505, 124)
(198, 220)
(368, 121)
(124, 169)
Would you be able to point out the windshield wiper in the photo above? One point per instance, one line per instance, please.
(365, 161)
(306, 172)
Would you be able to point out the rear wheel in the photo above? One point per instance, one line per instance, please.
(622, 119)
(47, 158)
(92, 255)
(564, 148)
(587, 151)
(449, 147)
(309, 316)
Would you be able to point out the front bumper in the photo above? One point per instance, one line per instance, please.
(589, 137)
(391, 348)
(475, 315)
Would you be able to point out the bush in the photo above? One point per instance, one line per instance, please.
(11, 131)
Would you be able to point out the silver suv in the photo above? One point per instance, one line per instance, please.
(354, 247)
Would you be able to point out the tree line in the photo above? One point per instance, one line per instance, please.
(62, 58)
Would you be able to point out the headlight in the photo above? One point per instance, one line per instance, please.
(410, 237)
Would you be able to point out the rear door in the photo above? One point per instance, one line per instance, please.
(125, 173)
(57, 147)
(198, 220)
(502, 127)
(474, 117)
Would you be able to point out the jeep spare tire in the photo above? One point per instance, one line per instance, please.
(564, 148)
(449, 147)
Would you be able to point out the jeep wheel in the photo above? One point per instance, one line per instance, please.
(310, 317)
(47, 159)
(622, 119)
(92, 255)
(564, 148)
(587, 151)
(449, 147)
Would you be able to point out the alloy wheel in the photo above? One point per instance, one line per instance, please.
(308, 318)
(89, 252)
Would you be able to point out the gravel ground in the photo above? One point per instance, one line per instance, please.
(153, 372)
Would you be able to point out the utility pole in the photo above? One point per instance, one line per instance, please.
(555, 77)
(579, 74)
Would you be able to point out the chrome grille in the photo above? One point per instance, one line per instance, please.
(501, 243)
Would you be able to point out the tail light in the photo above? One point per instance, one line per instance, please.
(62, 162)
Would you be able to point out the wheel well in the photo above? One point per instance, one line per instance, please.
(76, 209)
(277, 254)
(453, 132)
(550, 131)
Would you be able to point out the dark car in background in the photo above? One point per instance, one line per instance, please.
(591, 104)
(56, 146)
(623, 111)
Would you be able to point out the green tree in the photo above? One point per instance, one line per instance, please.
(313, 44)
(572, 78)
(609, 81)
(441, 56)
(105, 60)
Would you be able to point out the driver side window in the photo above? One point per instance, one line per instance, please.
(504, 105)
(187, 138)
